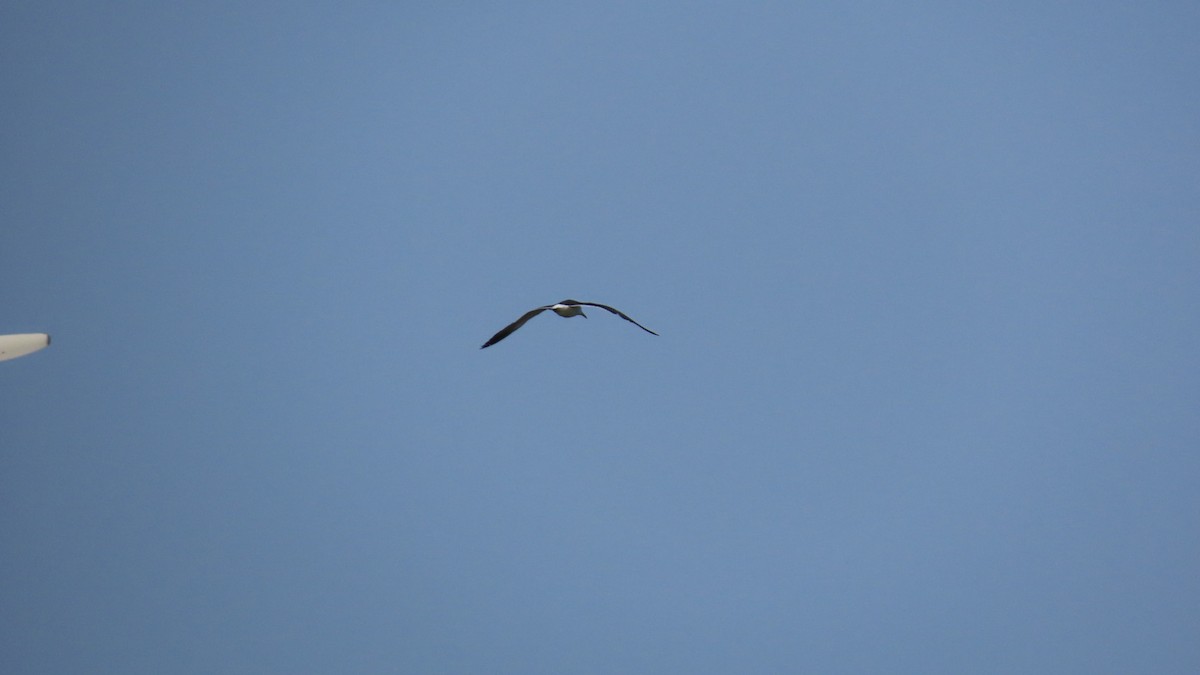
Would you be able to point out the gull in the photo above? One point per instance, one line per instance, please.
(566, 308)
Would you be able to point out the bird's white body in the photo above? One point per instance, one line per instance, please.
(568, 310)
(12, 346)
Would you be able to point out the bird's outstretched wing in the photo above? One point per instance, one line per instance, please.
(611, 309)
(508, 330)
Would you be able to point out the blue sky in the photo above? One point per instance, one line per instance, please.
(924, 400)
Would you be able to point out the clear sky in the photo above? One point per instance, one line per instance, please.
(926, 397)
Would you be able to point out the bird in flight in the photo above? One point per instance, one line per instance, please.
(566, 308)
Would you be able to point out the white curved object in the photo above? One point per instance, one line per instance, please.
(12, 346)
